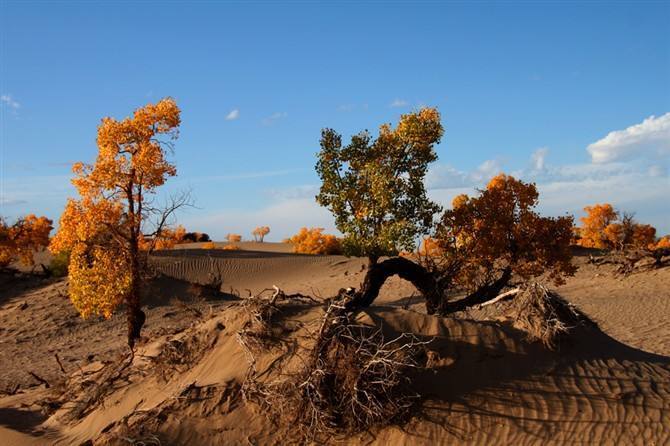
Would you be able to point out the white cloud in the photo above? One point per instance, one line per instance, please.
(274, 117)
(538, 159)
(9, 101)
(444, 176)
(233, 115)
(399, 103)
(486, 170)
(649, 139)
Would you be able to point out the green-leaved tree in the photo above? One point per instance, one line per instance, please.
(375, 186)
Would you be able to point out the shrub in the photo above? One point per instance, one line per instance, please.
(196, 237)
(230, 248)
(208, 245)
(663, 242)
(167, 238)
(233, 238)
(58, 267)
(313, 241)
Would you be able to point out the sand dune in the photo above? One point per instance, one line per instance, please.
(486, 383)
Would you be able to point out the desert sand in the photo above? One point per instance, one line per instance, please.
(487, 383)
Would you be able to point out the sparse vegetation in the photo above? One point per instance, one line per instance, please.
(314, 241)
(545, 315)
(196, 237)
(233, 238)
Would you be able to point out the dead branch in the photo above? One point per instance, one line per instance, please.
(62, 369)
(500, 297)
(40, 379)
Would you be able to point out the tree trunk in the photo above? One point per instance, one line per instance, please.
(483, 294)
(377, 274)
(424, 281)
(135, 315)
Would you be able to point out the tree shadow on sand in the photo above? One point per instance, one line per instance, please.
(593, 387)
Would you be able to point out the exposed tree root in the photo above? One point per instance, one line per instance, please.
(353, 379)
(628, 262)
(545, 315)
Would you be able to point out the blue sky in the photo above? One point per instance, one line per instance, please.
(574, 96)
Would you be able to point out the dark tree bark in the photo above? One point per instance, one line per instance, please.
(481, 295)
(377, 274)
(134, 313)
(426, 282)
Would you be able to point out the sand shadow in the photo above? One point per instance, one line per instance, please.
(24, 421)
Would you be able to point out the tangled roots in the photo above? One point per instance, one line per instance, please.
(545, 315)
(352, 380)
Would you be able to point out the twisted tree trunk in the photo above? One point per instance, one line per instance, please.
(433, 290)
(377, 274)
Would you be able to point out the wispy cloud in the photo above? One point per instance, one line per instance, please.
(538, 159)
(11, 201)
(649, 139)
(399, 103)
(294, 192)
(274, 118)
(6, 100)
(346, 107)
(233, 115)
(444, 176)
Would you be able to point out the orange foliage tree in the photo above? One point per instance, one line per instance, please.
(167, 238)
(104, 228)
(260, 232)
(598, 217)
(604, 228)
(486, 239)
(20, 240)
(314, 241)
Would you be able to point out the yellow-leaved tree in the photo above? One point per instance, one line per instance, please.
(113, 225)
